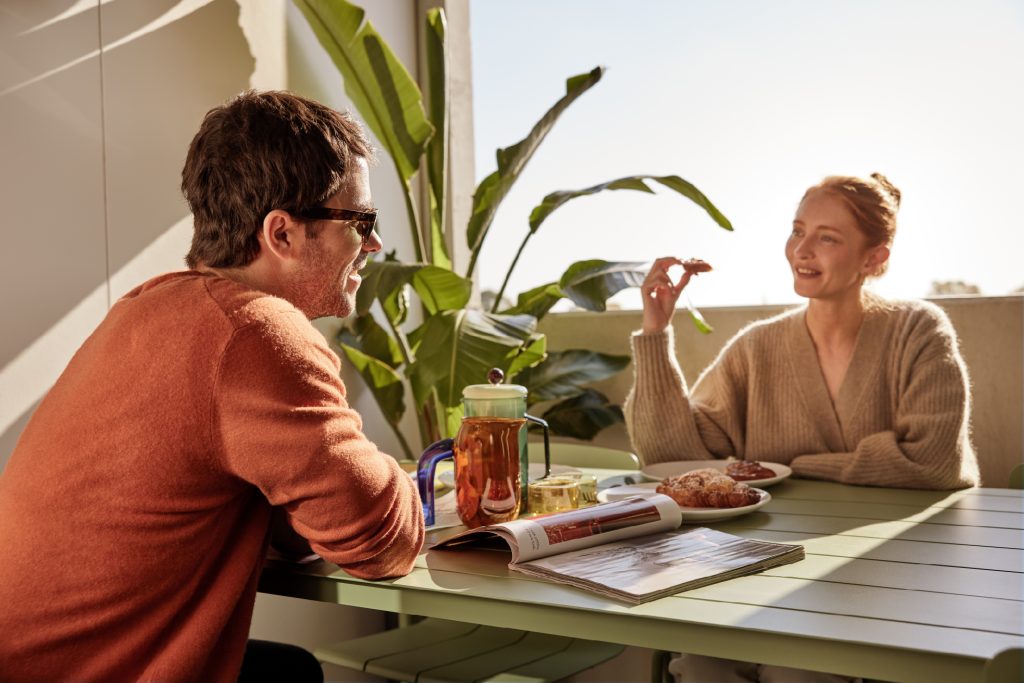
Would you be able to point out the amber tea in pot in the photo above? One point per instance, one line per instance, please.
(488, 477)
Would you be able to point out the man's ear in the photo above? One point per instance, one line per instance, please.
(281, 235)
(877, 256)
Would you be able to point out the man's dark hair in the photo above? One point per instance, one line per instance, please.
(259, 152)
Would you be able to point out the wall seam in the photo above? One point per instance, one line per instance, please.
(103, 151)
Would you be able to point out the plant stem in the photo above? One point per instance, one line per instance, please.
(408, 358)
(508, 275)
(414, 223)
(472, 261)
(409, 455)
(403, 343)
(428, 423)
(440, 415)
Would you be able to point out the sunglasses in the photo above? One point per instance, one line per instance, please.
(365, 222)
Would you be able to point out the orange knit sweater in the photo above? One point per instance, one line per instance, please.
(901, 419)
(134, 511)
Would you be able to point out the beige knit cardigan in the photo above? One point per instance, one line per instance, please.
(901, 418)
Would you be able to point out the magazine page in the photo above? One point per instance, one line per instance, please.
(640, 569)
(559, 532)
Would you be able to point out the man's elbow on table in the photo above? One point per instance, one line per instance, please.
(391, 538)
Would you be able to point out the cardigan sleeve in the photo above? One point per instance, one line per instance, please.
(929, 445)
(664, 422)
(287, 429)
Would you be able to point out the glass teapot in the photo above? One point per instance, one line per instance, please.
(491, 463)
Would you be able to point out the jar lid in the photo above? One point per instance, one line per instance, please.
(494, 391)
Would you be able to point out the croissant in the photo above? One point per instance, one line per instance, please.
(708, 488)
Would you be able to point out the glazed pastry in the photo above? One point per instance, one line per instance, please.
(744, 470)
(695, 266)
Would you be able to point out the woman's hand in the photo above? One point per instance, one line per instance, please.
(660, 295)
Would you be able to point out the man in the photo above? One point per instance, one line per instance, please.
(134, 512)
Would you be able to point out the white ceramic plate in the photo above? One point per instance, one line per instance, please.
(662, 470)
(647, 490)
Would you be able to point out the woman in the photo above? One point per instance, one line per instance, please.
(849, 388)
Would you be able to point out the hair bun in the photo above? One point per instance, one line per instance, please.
(890, 189)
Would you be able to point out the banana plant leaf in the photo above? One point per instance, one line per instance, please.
(368, 337)
(696, 317)
(439, 288)
(381, 89)
(383, 380)
(589, 284)
(512, 160)
(380, 279)
(437, 149)
(458, 348)
(537, 301)
(638, 183)
(534, 352)
(564, 373)
(583, 416)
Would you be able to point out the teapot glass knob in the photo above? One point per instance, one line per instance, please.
(495, 376)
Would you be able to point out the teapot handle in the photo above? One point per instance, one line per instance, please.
(425, 468)
(547, 447)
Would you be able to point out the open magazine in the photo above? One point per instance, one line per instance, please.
(630, 549)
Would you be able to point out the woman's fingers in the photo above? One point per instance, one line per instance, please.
(683, 281)
(666, 262)
(658, 274)
(660, 293)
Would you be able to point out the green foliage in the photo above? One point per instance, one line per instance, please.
(452, 345)
(564, 372)
(584, 415)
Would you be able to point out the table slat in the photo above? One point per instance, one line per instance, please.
(1005, 500)
(906, 576)
(903, 513)
(952, 611)
(869, 528)
(920, 552)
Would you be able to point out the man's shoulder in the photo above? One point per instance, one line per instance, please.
(225, 309)
(194, 291)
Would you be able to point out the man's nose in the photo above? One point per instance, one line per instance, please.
(374, 244)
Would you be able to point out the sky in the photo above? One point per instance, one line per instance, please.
(752, 102)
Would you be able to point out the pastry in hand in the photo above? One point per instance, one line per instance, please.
(708, 488)
(695, 266)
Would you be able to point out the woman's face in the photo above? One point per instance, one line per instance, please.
(827, 253)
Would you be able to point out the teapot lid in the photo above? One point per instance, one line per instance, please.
(494, 390)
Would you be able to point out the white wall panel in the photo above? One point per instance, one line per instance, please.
(165, 64)
(53, 288)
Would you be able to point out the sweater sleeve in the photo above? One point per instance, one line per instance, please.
(287, 429)
(663, 423)
(929, 445)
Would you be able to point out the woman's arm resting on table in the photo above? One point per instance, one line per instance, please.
(662, 421)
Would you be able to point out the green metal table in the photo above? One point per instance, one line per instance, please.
(897, 585)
